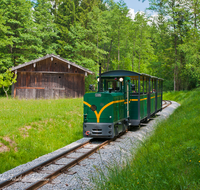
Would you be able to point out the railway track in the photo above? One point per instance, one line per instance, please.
(166, 103)
(84, 150)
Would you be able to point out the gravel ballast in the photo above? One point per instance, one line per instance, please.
(79, 176)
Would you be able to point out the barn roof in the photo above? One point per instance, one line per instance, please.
(48, 56)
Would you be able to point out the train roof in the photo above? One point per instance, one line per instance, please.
(125, 73)
(122, 73)
(153, 77)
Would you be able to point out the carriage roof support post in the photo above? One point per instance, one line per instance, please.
(100, 86)
(156, 93)
(138, 97)
(149, 99)
(161, 92)
(143, 84)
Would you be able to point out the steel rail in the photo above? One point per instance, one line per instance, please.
(50, 177)
(19, 176)
(58, 172)
(166, 103)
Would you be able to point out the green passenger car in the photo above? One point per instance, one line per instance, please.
(124, 99)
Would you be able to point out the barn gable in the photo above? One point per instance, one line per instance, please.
(49, 77)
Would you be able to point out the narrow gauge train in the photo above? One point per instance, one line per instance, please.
(124, 99)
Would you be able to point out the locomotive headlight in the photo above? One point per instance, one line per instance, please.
(98, 79)
(121, 79)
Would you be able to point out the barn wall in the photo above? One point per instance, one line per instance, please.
(55, 66)
(49, 79)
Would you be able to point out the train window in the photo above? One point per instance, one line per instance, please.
(145, 85)
(141, 85)
(112, 85)
(160, 85)
(153, 85)
(134, 85)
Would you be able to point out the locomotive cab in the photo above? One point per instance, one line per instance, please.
(106, 111)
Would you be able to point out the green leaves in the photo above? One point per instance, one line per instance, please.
(96, 31)
(6, 80)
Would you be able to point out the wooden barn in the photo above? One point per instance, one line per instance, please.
(49, 77)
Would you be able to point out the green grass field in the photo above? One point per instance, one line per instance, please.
(37, 127)
(170, 158)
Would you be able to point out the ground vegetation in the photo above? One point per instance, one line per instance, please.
(32, 128)
(169, 159)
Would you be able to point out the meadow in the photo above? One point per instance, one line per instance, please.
(32, 128)
(170, 158)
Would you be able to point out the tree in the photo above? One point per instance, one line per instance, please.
(99, 28)
(5, 61)
(179, 20)
(45, 26)
(6, 80)
(141, 48)
(21, 32)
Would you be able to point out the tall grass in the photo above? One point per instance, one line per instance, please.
(37, 127)
(170, 158)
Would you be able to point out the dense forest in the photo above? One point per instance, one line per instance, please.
(90, 32)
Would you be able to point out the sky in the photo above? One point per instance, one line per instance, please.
(136, 5)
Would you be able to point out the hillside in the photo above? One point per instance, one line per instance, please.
(170, 158)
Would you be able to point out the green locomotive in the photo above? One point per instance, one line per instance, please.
(124, 99)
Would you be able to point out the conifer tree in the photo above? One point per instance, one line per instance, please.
(45, 26)
(21, 31)
(5, 61)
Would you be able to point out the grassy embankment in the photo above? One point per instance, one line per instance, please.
(170, 159)
(37, 127)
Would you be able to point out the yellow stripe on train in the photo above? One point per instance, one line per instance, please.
(102, 109)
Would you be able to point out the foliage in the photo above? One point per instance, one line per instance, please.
(37, 127)
(6, 80)
(176, 42)
(97, 31)
(170, 158)
(46, 28)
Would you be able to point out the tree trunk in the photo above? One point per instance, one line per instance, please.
(104, 57)
(118, 50)
(195, 14)
(97, 48)
(140, 52)
(133, 51)
(133, 59)
(6, 91)
(175, 67)
(109, 54)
